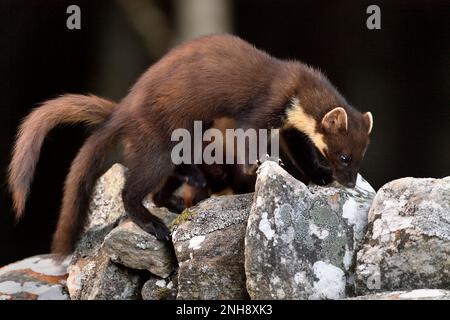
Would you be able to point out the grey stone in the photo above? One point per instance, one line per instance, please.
(92, 274)
(106, 211)
(132, 247)
(209, 244)
(98, 278)
(161, 289)
(41, 277)
(300, 242)
(418, 294)
(407, 245)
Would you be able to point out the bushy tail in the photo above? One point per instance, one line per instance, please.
(85, 170)
(67, 109)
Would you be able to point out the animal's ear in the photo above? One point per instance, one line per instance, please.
(368, 119)
(335, 120)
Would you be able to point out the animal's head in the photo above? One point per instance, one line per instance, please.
(341, 136)
(346, 138)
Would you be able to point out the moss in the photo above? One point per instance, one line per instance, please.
(163, 293)
(184, 216)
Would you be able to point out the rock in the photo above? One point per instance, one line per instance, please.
(209, 245)
(132, 247)
(92, 274)
(300, 242)
(98, 278)
(106, 211)
(418, 294)
(407, 245)
(41, 277)
(161, 289)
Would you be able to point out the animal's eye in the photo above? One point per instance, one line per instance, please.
(345, 159)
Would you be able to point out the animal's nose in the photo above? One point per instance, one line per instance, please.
(351, 184)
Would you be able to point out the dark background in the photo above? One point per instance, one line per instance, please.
(401, 73)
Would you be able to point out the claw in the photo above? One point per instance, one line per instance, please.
(158, 229)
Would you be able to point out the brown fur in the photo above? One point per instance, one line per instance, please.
(87, 167)
(204, 79)
(189, 194)
(67, 109)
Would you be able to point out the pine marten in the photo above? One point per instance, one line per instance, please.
(201, 80)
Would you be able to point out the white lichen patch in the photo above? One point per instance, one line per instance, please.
(350, 209)
(280, 293)
(160, 283)
(142, 245)
(275, 280)
(348, 258)
(259, 201)
(300, 278)
(320, 233)
(422, 294)
(380, 231)
(356, 215)
(363, 185)
(50, 291)
(391, 215)
(195, 242)
(265, 227)
(47, 266)
(331, 281)
(53, 293)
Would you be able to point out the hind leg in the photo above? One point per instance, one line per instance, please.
(146, 171)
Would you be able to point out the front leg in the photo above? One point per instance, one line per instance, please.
(321, 175)
(148, 165)
(306, 157)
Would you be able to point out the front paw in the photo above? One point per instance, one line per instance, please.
(322, 177)
(156, 228)
(160, 231)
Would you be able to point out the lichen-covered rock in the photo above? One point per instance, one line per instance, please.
(418, 294)
(209, 244)
(99, 278)
(41, 277)
(106, 211)
(92, 274)
(132, 247)
(407, 245)
(300, 242)
(161, 289)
